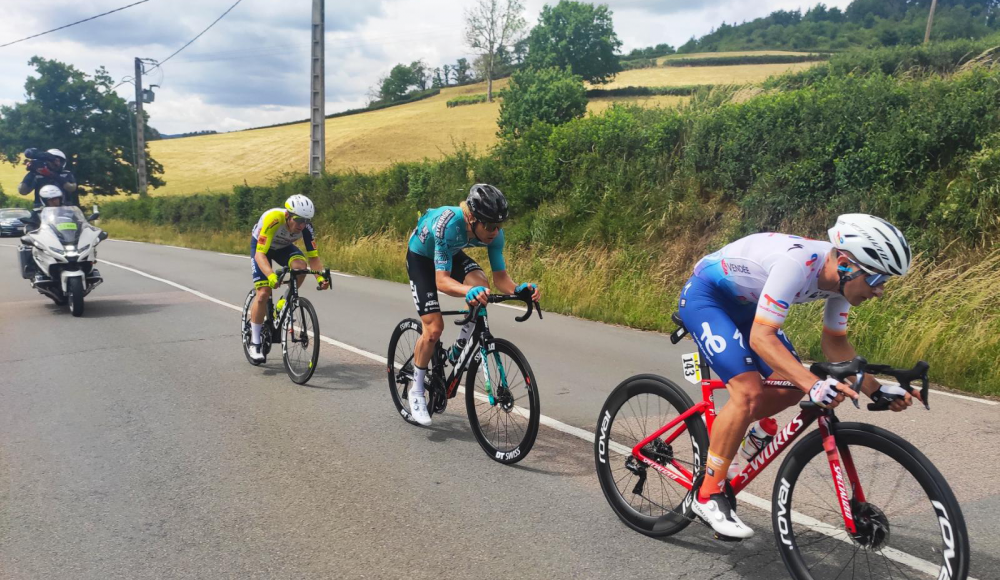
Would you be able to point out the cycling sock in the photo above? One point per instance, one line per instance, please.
(715, 476)
(466, 331)
(256, 328)
(418, 381)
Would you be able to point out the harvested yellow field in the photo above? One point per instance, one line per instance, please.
(703, 75)
(10, 176)
(722, 54)
(426, 129)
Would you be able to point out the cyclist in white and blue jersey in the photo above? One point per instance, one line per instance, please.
(435, 261)
(734, 306)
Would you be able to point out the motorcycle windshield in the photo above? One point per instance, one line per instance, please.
(67, 223)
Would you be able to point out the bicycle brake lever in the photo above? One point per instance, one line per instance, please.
(538, 308)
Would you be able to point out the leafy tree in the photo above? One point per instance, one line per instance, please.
(580, 36)
(461, 71)
(421, 74)
(489, 26)
(437, 83)
(82, 116)
(446, 74)
(396, 84)
(551, 95)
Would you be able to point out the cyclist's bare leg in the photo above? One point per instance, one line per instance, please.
(774, 401)
(259, 307)
(746, 395)
(298, 263)
(433, 326)
(476, 278)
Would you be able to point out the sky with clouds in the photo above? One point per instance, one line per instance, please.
(252, 68)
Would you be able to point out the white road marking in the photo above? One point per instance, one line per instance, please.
(758, 502)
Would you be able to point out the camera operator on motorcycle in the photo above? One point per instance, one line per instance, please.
(48, 168)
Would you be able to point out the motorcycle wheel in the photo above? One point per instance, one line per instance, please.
(74, 292)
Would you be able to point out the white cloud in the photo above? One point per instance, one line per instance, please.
(252, 68)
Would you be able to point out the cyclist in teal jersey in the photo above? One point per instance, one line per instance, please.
(435, 261)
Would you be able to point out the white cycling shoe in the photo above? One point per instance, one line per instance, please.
(717, 513)
(418, 408)
(256, 353)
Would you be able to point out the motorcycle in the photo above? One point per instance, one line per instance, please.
(59, 255)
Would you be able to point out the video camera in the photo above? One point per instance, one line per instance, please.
(38, 157)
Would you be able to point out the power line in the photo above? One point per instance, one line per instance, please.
(196, 37)
(73, 24)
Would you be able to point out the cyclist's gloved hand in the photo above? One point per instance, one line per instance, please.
(824, 392)
(272, 280)
(477, 293)
(899, 397)
(535, 294)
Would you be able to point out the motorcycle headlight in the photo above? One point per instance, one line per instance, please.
(57, 250)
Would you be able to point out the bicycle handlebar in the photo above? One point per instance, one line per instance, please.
(859, 366)
(299, 271)
(524, 296)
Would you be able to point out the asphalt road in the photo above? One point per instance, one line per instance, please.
(136, 442)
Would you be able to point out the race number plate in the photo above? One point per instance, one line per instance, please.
(692, 367)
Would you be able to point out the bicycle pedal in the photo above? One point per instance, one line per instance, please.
(722, 538)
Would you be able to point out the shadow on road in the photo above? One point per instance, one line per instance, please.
(111, 307)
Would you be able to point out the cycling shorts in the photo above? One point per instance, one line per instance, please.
(281, 256)
(721, 328)
(423, 283)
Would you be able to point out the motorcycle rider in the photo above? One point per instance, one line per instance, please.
(50, 172)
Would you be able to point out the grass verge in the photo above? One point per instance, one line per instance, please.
(949, 312)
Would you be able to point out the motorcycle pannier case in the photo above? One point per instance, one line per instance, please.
(27, 263)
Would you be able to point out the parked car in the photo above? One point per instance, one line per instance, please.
(10, 221)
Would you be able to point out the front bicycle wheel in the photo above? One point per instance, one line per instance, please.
(400, 364)
(502, 403)
(300, 340)
(908, 524)
(646, 499)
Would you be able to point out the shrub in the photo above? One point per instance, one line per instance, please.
(466, 100)
(550, 95)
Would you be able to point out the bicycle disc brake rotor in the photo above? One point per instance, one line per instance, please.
(872, 525)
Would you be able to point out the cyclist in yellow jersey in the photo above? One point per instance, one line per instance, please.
(274, 238)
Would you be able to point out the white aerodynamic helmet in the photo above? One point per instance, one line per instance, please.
(48, 192)
(58, 154)
(875, 243)
(301, 206)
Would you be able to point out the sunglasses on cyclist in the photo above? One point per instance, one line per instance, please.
(872, 280)
(490, 227)
(300, 220)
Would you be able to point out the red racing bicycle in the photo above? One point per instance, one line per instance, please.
(851, 500)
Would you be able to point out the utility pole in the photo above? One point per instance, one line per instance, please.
(930, 21)
(140, 140)
(317, 144)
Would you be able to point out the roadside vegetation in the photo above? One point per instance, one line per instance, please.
(612, 210)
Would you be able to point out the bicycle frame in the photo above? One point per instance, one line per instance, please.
(482, 339)
(840, 459)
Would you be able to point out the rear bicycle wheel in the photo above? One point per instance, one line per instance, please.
(504, 418)
(300, 340)
(908, 526)
(400, 364)
(246, 332)
(645, 499)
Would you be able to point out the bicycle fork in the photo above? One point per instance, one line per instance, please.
(840, 460)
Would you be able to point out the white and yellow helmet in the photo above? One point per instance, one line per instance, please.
(301, 206)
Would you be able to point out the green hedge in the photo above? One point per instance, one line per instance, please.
(466, 100)
(746, 59)
(639, 63)
(680, 91)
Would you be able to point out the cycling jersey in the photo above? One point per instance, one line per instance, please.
(755, 279)
(774, 271)
(271, 233)
(441, 233)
